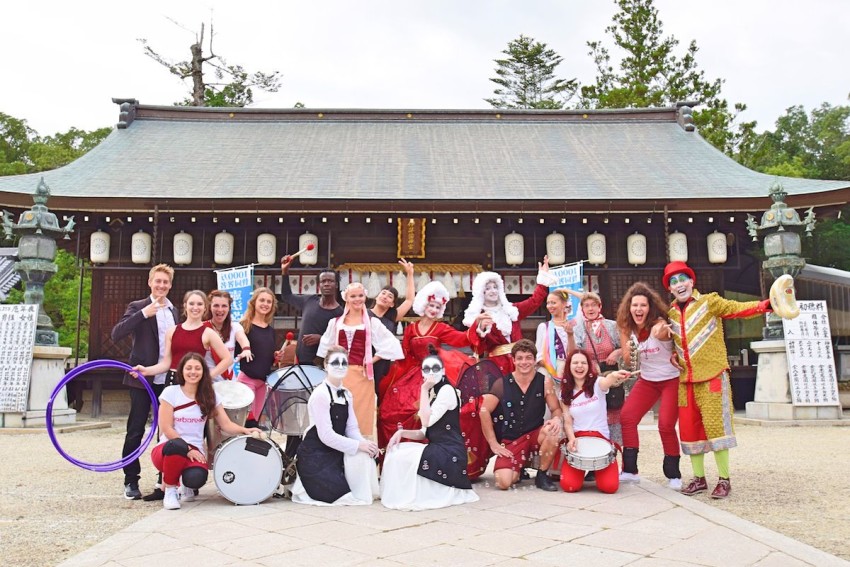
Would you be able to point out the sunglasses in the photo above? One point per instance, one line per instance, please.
(436, 369)
(677, 279)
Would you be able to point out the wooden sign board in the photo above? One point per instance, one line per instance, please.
(411, 238)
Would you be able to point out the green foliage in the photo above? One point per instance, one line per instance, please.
(22, 150)
(651, 74)
(828, 245)
(60, 302)
(526, 77)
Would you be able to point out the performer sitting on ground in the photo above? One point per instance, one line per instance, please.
(422, 477)
(399, 393)
(642, 320)
(359, 334)
(583, 399)
(517, 405)
(184, 409)
(336, 464)
(705, 397)
(496, 320)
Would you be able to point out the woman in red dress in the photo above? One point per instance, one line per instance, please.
(399, 391)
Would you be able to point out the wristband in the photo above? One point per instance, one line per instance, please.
(246, 348)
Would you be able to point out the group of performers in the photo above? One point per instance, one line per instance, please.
(440, 413)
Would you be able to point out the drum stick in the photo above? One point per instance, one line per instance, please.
(305, 249)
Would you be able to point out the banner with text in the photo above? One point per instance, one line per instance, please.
(570, 277)
(811, 364)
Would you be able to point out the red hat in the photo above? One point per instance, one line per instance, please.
(674, 268)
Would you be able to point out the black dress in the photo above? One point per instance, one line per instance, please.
(444, 458)
(321, 468)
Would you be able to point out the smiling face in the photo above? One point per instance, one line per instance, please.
(355, 297)
(160, 284)
(639, 308)
(433, 309)
(556, 306)
(385, 299)
(195, 306)
(491, 294)
(681, 286)
(525, 363)
(591, 309)
(579, 366)
(264, 304)
(219, 308)
(193, 371)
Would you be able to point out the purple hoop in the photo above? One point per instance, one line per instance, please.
(114, 465)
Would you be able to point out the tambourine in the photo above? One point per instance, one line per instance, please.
(783, 297)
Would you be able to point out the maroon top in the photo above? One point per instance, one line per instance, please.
(357, 348)
(183, 342)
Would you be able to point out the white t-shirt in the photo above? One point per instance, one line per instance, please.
(591, 414)
(230, 344)
(188, 422)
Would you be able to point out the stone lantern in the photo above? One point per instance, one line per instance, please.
(780, 229)
(37, 230)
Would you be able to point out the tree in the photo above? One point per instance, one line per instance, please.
(651, 74)
(526, 78)
(60, 302)
(238, 91)
(22, 150)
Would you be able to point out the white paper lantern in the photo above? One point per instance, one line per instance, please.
(636, 246)
(309, 257)
(182, 248)
(514, 249)
(449, 282)
(373, 285)
(223, 248)
(677, 247)
(400, 282)
(266, 249)
(140, 248)
(424, 279)
(596, 252)
(99, 247)
(716, 247)
(556, 249)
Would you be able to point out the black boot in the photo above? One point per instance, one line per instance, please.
(543, 482)
(671, 466)
(630, 456)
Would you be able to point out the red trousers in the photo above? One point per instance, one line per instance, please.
(643, 396)
(172, 466)
(607, 479)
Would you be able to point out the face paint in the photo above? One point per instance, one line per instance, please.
(682, 287)
(432, 370)
(337, 366)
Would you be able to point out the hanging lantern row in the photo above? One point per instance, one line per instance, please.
(223, 247)
(636, 248)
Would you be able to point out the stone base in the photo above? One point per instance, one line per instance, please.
(772, 385)
(37, 418)
(785, 412)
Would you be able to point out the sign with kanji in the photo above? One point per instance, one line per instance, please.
(411, 238)
(17, 337)
(811, 365)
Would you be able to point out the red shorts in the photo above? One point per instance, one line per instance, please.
(523, 448)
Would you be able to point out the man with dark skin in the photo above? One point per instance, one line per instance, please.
(316, 310)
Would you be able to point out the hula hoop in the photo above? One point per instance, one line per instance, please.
(114, 465)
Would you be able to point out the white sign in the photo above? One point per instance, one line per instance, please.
(17, 337)
(811, 365)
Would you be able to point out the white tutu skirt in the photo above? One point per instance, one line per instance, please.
(361, 472)
(403, 489)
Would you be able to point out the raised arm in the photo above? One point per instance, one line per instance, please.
(410, 293)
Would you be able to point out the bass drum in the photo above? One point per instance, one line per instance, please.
(248, 470)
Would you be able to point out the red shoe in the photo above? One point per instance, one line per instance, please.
(722, 490)
(697, 484)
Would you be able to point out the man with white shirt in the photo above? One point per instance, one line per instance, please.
(146, 320)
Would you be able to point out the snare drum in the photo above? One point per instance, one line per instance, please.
(236, 400)
(248, 470)
(591, 454)
(290, 389)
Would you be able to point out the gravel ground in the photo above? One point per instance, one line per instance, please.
(789, 479)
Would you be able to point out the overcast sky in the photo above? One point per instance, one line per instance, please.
(62, 62)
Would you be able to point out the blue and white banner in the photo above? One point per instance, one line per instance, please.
(569, 276)
(239, 283)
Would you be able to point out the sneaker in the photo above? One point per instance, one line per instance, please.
(131, 491)
(697, 484)
(157, 494)
(722, 490)
(523, 475)
(187, 494)
(170, 501)
(629, 478)
(674, 483)
(543, 482)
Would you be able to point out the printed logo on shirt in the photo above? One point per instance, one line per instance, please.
(583, 401)
(189, 419)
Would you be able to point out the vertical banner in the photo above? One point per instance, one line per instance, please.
(17, 337)
(811, 364)
(239, 283)
(569, 276)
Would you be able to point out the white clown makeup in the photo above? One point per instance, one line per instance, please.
(491, 294)
(681, 286)
(432, 370)
(337, 366)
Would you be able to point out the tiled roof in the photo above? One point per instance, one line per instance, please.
(8, 277)
(174, 153)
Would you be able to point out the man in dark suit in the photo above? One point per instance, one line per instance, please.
(146, 320)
